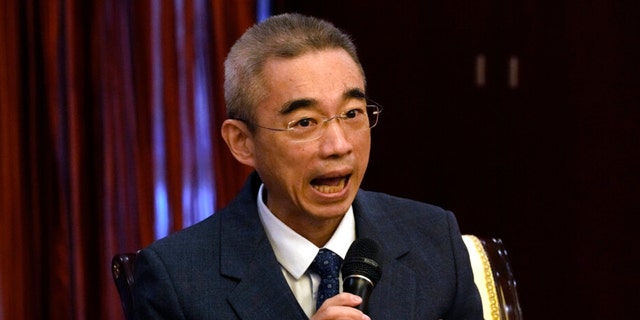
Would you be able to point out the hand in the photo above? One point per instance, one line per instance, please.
(341, 306)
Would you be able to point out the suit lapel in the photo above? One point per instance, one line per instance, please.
(262, 292)
(246, 255)
(391, 299)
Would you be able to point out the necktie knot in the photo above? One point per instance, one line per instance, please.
(327, 265)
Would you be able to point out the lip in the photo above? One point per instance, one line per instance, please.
(331, 185)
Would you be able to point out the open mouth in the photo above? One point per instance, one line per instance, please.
(330, 185)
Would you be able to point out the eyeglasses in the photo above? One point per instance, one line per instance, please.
(309, 128)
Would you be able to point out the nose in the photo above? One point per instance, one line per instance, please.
(335, 140)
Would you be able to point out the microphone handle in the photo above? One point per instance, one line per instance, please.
(360, 286)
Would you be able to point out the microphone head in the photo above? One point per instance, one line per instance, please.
(363, 259)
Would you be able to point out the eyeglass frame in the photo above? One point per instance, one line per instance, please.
(341, 116)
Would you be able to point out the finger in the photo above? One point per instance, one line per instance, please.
(343, 299)
(341, 306)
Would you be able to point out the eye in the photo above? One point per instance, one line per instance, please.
(303, 123)
(353, 113)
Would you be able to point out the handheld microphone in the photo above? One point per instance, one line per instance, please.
(361, 270)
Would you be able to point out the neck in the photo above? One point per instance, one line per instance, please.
(318, 231)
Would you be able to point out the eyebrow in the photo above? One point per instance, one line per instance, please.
(291, 106)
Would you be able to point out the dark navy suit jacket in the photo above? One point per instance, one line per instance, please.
(224, 267)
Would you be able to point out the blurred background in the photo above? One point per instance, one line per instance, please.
(522, 117)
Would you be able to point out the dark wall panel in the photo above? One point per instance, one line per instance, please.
(549, 164)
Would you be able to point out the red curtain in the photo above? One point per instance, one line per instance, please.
(109, 115)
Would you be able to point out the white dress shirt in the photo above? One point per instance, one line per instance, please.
(295, 253)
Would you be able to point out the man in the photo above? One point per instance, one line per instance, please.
(299, 115)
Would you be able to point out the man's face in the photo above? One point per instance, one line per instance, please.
(313, 180)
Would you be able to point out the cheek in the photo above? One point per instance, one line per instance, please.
(282, 156)
(363, 146)
(363, 153)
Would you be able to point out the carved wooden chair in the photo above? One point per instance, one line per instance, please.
(122, 271)
(494, 278)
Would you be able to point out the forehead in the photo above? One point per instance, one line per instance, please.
(325, 78)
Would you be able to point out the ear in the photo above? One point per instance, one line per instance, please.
(239, 140)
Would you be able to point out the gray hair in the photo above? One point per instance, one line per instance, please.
(286, 35)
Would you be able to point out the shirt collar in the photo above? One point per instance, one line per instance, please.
(294, 252)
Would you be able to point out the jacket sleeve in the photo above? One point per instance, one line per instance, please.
(153, 293)
(467, 304)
